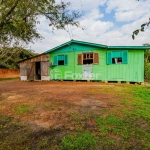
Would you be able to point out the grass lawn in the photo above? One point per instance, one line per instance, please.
(74, 116)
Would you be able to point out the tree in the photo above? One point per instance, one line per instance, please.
(136, 32)
(147, 54)
(147, 63)
(18, 18)
(10, 56)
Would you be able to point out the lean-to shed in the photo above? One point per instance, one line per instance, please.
(35, 68)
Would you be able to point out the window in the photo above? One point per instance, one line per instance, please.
(117, 57)
(60, 60)
(88, 58)
(117, 60)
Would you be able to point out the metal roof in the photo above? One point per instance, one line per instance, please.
(31, 57)
(77, 42)
(98, 45)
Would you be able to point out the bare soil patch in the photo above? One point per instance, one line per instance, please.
(73, 115)
(53, 102)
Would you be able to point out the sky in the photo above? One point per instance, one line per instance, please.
(107, 22)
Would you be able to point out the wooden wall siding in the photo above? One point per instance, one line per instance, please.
(44, 68)
(23, 70)
(27, 67)
(132, 72)
(44, 57)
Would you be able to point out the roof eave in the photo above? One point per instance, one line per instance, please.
(130, 47)
(74, 41)
(30, 57)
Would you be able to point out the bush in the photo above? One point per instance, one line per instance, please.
(147, 71)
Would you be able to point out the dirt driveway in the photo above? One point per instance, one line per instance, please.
(52, 104)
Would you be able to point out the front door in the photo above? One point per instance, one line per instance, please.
(87, 72)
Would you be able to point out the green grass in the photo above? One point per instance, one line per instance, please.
(8, 79)
(20, 110)
(125, 125)
(142, 93)
(131, 122)
(80, 141)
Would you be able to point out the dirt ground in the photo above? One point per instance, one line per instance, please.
(55, 115)
(53, 104)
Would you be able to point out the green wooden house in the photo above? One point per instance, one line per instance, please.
(78, 60)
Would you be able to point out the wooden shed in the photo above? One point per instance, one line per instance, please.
(35, 68)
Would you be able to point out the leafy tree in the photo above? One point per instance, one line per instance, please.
(147, 54)
(136, 32)
(147, 63)
(18, 18)
(10, 56)
(142, 28)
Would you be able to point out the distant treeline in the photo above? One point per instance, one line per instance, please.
(10, 56)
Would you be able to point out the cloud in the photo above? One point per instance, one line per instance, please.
(128, 10)
(86, 5)
(131, 12)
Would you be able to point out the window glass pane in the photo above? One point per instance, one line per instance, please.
(89, 61)
(91, 55)
(120, 60)
(60, 62)
(84, 56)
(117, 60)
(88, 55)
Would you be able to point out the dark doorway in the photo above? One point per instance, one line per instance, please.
(38, 70)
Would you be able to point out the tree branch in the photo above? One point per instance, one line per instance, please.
(8, 13)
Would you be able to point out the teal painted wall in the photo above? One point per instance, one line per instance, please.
(132, 72)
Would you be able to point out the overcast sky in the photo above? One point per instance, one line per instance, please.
(108, 22)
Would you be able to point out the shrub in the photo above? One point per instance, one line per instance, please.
(147, 71)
